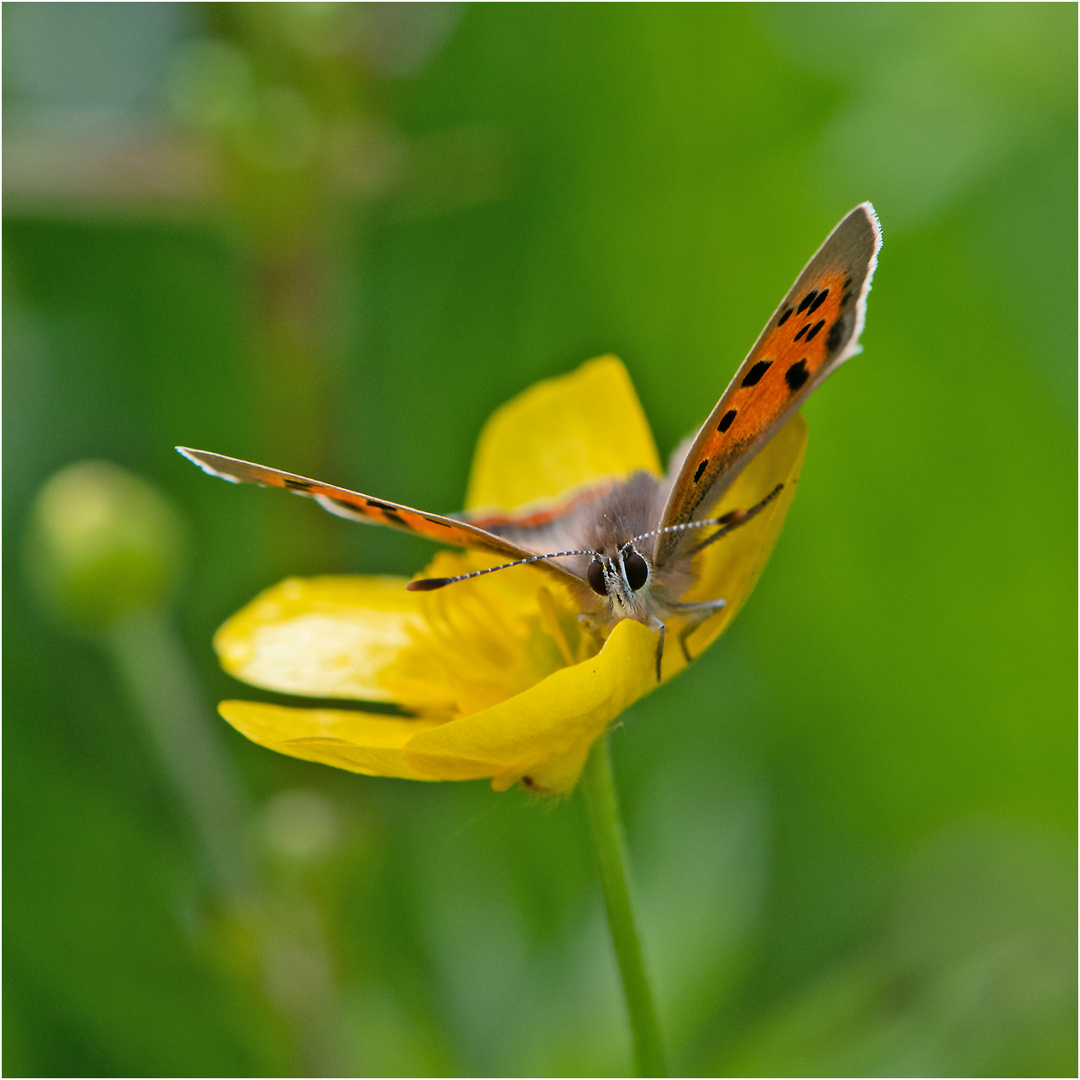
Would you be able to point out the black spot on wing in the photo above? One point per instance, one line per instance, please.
(700, 469)
(436, 521)
(815, 330)
(796, 375)
(345, 505)
(753, 376)
(295, 485)
(836, 336)
(845, 299)
(802, 331)
(726, 420)
(818, 302)
(847, 282)
(807, 300)
(784, 318)
(391, 513)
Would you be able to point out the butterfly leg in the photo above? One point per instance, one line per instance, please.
(698, 612)
(661, 629)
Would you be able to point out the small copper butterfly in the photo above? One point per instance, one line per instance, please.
(626, 549)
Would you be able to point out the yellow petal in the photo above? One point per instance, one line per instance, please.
(331, 637)
(482, 641)
(357, 741)
(731, 567)
(543, 735)
(559, 435)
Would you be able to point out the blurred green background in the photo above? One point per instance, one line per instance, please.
(333, 239)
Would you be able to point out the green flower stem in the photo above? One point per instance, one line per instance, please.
(609, 843)
(155, 666)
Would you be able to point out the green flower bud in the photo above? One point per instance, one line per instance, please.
(102, 544)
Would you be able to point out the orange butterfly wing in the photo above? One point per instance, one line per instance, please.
(814, 330)
(359, 507)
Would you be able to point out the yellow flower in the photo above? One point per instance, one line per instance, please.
(499, 677)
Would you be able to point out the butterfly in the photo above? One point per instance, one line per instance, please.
(626, 548)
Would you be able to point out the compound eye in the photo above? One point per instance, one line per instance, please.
(595, 577)
(636, 569)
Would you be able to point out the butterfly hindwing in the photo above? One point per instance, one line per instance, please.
(814, 330)
(359, 507)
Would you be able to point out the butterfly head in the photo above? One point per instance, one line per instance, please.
(620, 578)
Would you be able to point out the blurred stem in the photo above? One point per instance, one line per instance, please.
(160, 679)
(609, 843)
(159, 676)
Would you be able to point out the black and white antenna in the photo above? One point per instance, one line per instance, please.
(728, 522)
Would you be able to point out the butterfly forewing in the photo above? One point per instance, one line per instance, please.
(814, 330)
(359, 507)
